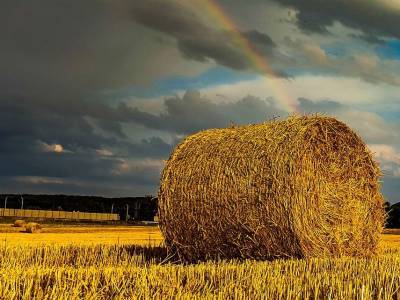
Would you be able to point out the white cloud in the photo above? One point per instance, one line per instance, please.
(389, 158)
(104, 152)
(370, 126)
(315, 52)
(345, 90)
(57, 148)
(39, 180)
(386, 153)
(366, 62)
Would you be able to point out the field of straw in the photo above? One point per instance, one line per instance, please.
(77, 265)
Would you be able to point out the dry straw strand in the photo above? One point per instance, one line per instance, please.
(306, 186)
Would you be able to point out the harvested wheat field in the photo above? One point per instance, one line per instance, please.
(79, 270)
(52, 234)
(301, 187)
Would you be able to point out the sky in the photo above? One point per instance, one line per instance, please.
(95, 94)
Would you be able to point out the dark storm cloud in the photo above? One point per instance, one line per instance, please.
(137, 182)
(59, 165)
(66, 46)
(45, 41)
(112, 127)
(26, 118)
(374, 18)
(195, 39)
(153, 147)
(25, 126)
(259, 38)
(193, 112)
(29, 129)
(98, 151)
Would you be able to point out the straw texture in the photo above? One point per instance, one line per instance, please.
(33, 227)
(302, 187)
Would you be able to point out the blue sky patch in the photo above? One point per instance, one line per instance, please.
(336, 50)
(391, 50)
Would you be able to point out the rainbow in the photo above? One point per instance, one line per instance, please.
(216, 11)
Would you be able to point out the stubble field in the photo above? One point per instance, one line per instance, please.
(126, 262)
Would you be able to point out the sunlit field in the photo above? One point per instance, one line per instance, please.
(82, 235)
(93, 262)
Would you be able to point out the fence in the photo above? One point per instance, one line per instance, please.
(54, 214)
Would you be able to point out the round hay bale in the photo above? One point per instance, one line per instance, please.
(301, 187)
(33, 227)
(19, 223)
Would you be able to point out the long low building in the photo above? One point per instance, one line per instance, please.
(55, 214)
(128, 208)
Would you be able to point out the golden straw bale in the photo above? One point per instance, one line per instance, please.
(33, 227)
(19, 223)
(301, 187)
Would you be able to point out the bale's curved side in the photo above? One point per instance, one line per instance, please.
(33, 227)
(19, 223)
(302, 187)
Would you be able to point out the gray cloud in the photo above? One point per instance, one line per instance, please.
(325, 106)
(30, 128)
(97, 149)
(193, 112)
(375, 19)
(195, 39)
(55, 46)
(153, 147)
(260, 39)
(310, 57)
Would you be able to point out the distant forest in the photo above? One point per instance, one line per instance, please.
(393, 212)
(139, 208)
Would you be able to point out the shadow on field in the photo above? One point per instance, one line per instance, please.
(153, 254)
